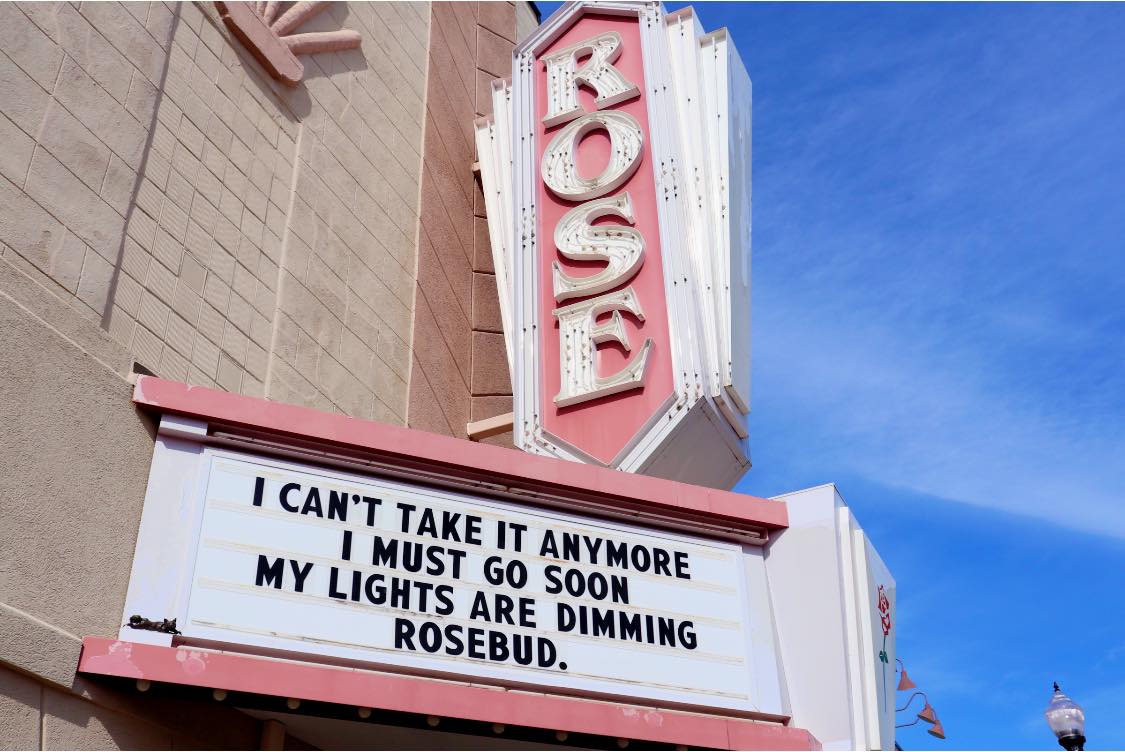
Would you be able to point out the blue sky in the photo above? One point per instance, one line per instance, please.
(939, 281)
(939, 329)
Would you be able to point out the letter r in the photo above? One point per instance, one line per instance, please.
(564, 75)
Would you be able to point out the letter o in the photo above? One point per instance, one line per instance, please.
(599, 586)
(560, 164)
(575, 583)
(516, 574)
(430, 637)
(641, 559)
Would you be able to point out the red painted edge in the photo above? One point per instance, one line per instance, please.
(257, 37)
(459, 457)
(358, 687)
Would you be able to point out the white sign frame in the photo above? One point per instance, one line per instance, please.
(170, 536)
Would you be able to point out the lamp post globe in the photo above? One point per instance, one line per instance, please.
(1067, 719)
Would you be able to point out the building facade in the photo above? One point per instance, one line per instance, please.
(245, 250)
(227, 230)
(168, 207)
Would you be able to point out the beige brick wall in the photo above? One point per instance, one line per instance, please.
(295, 265)
(229, 231)
(347, 279)
(195, 295)
(77, 96)
(460, 370)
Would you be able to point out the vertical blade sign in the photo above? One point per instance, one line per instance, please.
(604, 323)
(615, 170)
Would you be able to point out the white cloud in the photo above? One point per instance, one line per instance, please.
(926, 417)
(939, 268)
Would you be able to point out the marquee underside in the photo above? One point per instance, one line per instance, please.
(358, 689)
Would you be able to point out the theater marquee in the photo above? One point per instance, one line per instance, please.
(292, 539)
(296, 558)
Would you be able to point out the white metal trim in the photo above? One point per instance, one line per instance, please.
(494, 144)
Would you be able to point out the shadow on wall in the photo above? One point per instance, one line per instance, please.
(107, 311)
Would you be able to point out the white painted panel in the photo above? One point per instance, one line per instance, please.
(702, 451)
(807, 592)
(739, 194)
(855, 660)
(494, 155)
(768, 678)
(165, 538)
(726, 107)
(824, 576)
(880, 622)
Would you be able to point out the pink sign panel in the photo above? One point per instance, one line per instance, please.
(603, 426)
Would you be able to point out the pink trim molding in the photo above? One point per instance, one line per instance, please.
(467, 460)
(272, 41)
(372, 689)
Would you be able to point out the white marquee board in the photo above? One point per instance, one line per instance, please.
(252, 558)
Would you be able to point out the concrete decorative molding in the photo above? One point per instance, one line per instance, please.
(268, 34)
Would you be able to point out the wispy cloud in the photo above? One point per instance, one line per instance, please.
(940, 257)
(921, 415)
(939, 277)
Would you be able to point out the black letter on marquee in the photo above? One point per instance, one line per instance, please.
(616, 554)
(385, 554)
(548, 544)
(686, 633)
(338, 505)
(682, 566)
(404, 634)
(300, 574)
(271, 574)
(285, 493)
(519, 531)
(371, 503)
(406, 509)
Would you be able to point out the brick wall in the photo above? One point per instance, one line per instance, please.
(77, 98)
(195, 294)
(322, 245)
(346, 288)
(460, 368)
(229, 231)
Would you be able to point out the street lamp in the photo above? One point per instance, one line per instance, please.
(1067, 719)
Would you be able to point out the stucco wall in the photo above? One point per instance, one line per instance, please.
(34, 715)
(76, 465)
